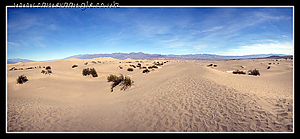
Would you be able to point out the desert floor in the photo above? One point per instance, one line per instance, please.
(178, 96)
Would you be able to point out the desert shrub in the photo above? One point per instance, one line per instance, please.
(48, 71)
(112, 78)
(153, 66)
(270, 63)
(215, 65)
(158, 64)
(30, 68)
(130, 69)
(238, 72)
(89, 71)
(146, 71)
(99, 61)
(74, 66)
(13, 68)
(209, 65)
(125, 81)
(48, 67)
(85, 63)
(93, 72)
(20, 68)
(94, 62)
(120, 67)
(268, 67)
(132, 66)
(254, 72)
(22, 79)
(86, 72)
(139, 65)
(43, 71)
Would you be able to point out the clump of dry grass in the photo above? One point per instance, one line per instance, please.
(238, 72)
(74, 66)
(146, 71)
(22, 79)
(254, 72)
(130, 69)
(125, 81)
(89, 71)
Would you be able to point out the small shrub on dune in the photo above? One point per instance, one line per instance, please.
(48, 67)
(139, 65)
(209, 65)
(132, 66)
(22, 79)
(85, 63)
(94, 62)
(268, 67)
(254, 72)
(153, 66)
(93, 72)
(43, 71)
(74, 66)
(112, 78)
(238, 72)
(158, 64)
(13, 68)
(86, 72)
(48, 71)
(146, 71)
(89, 71)
(130, 69)
(125, 81)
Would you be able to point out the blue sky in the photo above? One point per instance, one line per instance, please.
(56, 33)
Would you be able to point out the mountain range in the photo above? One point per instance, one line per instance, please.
(141, 55)
(17, 60)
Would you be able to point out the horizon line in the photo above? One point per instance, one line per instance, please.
(153, 54)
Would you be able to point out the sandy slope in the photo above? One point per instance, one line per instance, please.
(179, 96)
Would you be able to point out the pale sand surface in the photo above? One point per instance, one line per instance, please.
(179, 96)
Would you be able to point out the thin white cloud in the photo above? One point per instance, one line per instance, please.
(267, 48)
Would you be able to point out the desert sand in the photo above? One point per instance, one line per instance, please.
(179, 96)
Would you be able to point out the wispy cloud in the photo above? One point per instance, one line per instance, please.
(266, 48)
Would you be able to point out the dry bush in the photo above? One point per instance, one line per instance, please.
(125, 81)
(130, 69)
(238, 72)
(254, 72)
(22, 79)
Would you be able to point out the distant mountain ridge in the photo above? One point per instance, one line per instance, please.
(141, 55)
(17, 60)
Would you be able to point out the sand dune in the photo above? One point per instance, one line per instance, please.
(181, 96)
